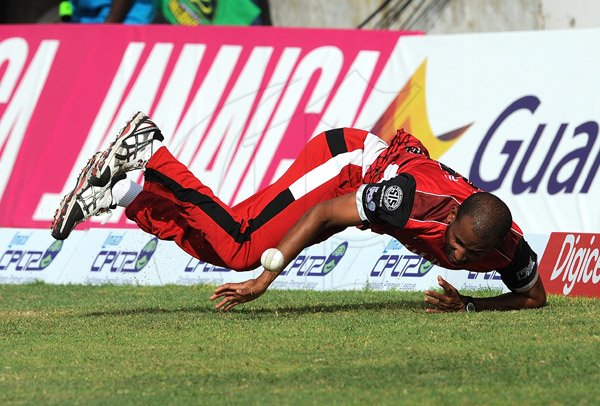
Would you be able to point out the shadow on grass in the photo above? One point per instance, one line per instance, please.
(407, 304)
(292, 310)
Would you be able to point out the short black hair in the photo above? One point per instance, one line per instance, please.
(490, 216)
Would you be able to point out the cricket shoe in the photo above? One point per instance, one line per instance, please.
(83, 202)
(131, 150)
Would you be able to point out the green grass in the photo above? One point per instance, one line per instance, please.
(166, 345)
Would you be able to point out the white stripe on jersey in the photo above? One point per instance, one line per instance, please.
(372, 147)
(324, 173)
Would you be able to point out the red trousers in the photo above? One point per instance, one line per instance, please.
(175, 205)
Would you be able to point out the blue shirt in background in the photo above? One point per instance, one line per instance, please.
(96, 11)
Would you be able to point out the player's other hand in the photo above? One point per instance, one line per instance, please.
(232, 294)
(449, 301)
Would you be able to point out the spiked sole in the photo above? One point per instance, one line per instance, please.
(69, 212)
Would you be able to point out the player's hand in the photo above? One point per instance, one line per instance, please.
(232, 294)
(449, 301)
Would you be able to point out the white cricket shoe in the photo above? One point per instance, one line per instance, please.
(83, 202)
(129, 151)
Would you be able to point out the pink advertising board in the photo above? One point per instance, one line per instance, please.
(235, 104)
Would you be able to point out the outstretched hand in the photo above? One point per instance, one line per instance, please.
(449, 301)
(232, 294)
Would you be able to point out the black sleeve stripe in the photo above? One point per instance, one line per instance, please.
(522, 270)
(336, 141)
(390, 201)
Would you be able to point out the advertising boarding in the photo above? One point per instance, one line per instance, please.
(236, 105)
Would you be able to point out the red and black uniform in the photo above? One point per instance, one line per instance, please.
(400, 191)
(412, 202)
(175, 205)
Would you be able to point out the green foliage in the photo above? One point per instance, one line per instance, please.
(167, 345)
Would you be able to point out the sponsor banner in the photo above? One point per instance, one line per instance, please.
(571, 264)
(29, 255)
(119, 257)
(126, 256)
(351, 260)
(524, 142)
(222, 96)
(237, 104)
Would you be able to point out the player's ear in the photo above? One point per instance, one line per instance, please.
(452, 214)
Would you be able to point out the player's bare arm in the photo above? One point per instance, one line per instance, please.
(331, 215)
(452, 301)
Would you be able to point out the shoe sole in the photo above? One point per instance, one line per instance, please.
(126, 131)
(69, 203)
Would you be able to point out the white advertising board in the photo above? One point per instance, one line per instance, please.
(351, 260)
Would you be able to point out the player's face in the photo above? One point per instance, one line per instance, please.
(461, 245)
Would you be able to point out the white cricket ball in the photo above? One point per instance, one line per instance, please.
(272, 260)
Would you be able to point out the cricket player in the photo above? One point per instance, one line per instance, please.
(343, 177)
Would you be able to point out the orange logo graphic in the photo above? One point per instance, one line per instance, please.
(409, 111)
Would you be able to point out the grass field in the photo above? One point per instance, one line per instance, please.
(166, 345)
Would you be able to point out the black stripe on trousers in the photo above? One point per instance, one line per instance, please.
(218, 213)
(336, 141)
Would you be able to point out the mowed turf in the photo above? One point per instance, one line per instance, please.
(167, 345)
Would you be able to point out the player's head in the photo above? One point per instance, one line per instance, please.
(476, 227)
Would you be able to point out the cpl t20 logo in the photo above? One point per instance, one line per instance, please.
(317, 265)
(400, 265)
(493, 275)
(115, 260)
(23, 259)
(196, 265)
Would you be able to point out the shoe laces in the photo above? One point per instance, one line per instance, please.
(91, 198)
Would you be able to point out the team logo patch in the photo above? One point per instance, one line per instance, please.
(371, 192)
(526, 272)
(392, 197)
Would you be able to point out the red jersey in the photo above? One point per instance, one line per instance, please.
(408, 195)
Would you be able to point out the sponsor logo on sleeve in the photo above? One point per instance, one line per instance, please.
(369, 195)
(392, 197)
(370, 192)
(571, 264)
(525, 273)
